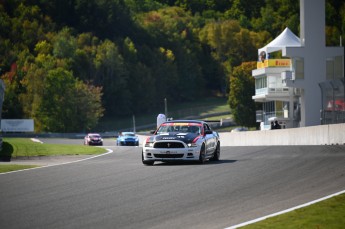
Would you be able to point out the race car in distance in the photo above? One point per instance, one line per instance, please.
(186, 140)
(93, 139)
(127, 139)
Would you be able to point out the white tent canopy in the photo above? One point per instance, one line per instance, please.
(285, 39)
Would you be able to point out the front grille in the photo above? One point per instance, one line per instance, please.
(168, 155)
(130, 143)
(168, 145)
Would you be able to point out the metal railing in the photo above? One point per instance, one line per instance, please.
(332, 117)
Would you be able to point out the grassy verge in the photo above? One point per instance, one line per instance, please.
(22, 147)
(10, 168)
(328, 214)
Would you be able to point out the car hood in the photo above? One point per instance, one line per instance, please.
(185, 137)
(128, 137)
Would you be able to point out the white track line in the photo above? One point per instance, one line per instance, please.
(70, 162)
(36, 140)
(285, 211)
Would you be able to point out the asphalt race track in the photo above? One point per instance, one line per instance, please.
(117, 191)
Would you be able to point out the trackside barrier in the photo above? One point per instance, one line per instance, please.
(315, 135)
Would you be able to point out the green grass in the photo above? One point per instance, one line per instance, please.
(24, 147)
(328, 214)
(12, 167)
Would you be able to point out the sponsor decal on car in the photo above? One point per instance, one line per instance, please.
(181, 124)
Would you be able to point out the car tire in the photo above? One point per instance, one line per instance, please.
(216, 154)
(202, 155)
(146, 162)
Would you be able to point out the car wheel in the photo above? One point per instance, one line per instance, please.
(202, 154)
(146, 162)
(216, 154)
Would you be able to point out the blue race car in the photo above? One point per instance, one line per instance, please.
(127, 139)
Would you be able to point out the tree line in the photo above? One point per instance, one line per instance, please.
(67, 63)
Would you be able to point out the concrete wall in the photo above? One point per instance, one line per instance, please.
(314, 135)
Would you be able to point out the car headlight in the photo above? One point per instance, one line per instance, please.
(148, 143)
(192, 144)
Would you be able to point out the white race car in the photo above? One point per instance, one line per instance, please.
(188, 140)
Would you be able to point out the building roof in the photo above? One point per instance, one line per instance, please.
(285, 39)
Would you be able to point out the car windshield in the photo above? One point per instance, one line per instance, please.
(179, 127)
(128, 134)
(94, 135)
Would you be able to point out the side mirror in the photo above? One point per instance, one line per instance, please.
(152, 131)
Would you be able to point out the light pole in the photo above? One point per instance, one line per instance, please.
(166, 107)
(134, 130)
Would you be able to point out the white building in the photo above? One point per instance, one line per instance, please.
(306, 86)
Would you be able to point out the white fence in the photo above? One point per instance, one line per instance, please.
(17, 125)
(315, 135)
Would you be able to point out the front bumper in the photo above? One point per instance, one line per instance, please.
(129, 143)
(171, 154)
(93, 142)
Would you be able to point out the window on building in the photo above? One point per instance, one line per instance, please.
(273, 109)
(261, 82)
(334, 68)
(279, 108)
